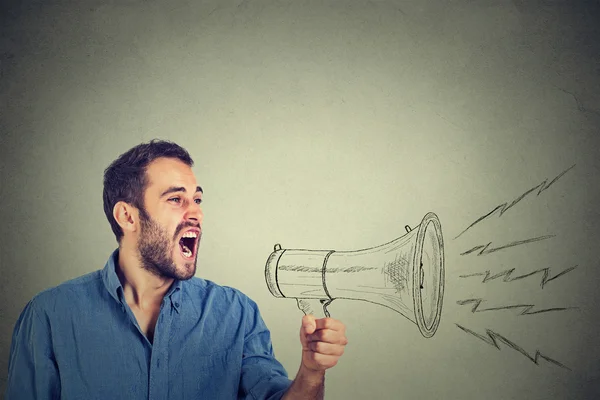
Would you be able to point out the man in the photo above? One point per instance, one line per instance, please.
(144, 327)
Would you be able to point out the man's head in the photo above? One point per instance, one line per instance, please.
(152, 201)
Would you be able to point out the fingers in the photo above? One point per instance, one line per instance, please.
(327, 336)
(324, 345)
(328, 349)
(330, 323)
(319, 362)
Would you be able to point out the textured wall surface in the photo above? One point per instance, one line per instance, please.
(331, 125)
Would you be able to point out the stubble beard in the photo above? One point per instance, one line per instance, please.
(156, 250)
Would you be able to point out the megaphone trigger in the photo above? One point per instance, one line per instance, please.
(316, 307)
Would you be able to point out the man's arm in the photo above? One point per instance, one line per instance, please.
(307, 385)
(323, 341)
(263, 377)
(32, 371)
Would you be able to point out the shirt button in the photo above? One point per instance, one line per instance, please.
(176, 304)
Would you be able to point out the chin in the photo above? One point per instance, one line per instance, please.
(188, 276)
(186, 271)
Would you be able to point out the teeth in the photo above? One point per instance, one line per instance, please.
(190, 234)
(186, 252)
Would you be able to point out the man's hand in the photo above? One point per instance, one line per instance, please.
(323, 341)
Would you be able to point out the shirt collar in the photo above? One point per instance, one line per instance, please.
(174, 294)
(114, 287)
(110, 278)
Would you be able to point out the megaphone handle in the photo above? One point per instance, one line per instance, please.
(316, 307)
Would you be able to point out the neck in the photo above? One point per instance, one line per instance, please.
(142, 289)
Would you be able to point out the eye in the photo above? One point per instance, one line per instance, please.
(198, 201)
(175, 199)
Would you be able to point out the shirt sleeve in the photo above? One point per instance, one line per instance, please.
(32, 370)
(263, 377)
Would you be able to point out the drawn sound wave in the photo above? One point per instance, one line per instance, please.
(504, 207)
(525, 308)
(507, 275)
(484, 248)
(493, 339)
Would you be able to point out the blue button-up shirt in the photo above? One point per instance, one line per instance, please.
(80, 340)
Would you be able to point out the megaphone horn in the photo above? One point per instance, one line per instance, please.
(405, 275)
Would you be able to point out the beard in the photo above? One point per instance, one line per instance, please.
(156, 249)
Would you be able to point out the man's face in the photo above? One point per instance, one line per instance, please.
(170, 224)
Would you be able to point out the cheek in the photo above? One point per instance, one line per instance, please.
(174, 237)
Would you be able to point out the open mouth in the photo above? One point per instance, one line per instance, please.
(187, 244)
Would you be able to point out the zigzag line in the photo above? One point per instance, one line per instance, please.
(526, 308)
(507, 275)
(502, 208)
(493, 338)
(484, 248)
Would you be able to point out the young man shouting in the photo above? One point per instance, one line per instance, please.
(144, 327)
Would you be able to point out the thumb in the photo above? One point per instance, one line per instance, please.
(309, 324)
(308, 327)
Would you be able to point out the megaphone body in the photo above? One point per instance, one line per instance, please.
(405, 275)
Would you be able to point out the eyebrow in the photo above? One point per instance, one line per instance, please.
(174, 189)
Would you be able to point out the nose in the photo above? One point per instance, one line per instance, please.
(194, 213)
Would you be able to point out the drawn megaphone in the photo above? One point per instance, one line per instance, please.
(406, 275)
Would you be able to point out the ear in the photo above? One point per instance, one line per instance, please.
(126, 216)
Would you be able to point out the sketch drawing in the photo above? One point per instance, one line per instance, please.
(484, 248)
(525, 309)
(507, 275)
(405, 275)
(504, 207)
(494, 338)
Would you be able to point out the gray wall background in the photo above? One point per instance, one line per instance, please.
(327, 124)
